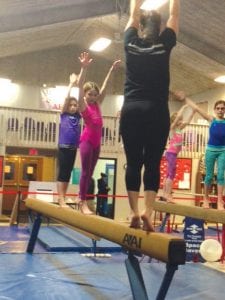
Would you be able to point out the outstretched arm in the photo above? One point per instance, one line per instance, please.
(174, 14)
(102, 93)
(178, 117)
(189, 118)
(73, 81)
(134, 14)
(85, 61)
(181, 97)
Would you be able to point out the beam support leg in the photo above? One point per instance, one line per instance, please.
(34, 233)
(170, 270)
(223, 244)
(165, 219)
(94, 248)
(135, 278)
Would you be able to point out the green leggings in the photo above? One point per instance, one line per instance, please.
(211, 157)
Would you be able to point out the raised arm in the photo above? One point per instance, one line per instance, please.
(178, 117)
(85, 61)
(174, 14)
(181, 97)
(189, 118)
(73, 82)
(134, 17)
(102, 93)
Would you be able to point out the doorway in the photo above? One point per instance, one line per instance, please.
(109, 167)
(18, 171)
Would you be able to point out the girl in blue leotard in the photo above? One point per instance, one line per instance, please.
(215, 150)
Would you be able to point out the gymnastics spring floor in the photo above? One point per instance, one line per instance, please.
(66, 276)
(49, 275)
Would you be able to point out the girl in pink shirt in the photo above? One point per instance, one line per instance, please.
(90, 99)
(174, 147)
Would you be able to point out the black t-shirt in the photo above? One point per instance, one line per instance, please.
(147, 66)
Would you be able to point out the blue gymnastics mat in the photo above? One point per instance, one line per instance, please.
(66, 276)
(61, 238)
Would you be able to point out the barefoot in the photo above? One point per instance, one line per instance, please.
(162, 199)
(205, 203)
(170, 201)
(170, 198)
(84, 209)
(220, 205)
(135, 222)
(62, 202)
(147, 224)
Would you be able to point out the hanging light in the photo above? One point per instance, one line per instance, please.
(5, 81)
(8, 90)
(152, 4)
(220, 79)
(100, 44)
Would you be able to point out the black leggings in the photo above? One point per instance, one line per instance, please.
(144, 127)
(66, 159)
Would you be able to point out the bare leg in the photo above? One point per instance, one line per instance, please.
(220, 203)
(133, 201)
(62, 188)
(149, 197)
(206, 196)
(168, 188)
(164, 189)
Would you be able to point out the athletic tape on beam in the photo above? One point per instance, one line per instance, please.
(161, 246)
(207, 214)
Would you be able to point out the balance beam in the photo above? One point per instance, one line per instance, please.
(207, 214)
(164, 247)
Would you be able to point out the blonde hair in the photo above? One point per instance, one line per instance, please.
(90, 85)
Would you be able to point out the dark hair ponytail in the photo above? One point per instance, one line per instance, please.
(150, 22)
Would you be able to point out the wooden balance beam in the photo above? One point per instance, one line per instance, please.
(161, 246)
(207, 214)
(164, 247)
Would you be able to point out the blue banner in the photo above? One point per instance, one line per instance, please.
(194, 235)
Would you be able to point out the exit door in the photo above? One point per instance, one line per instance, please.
(18, 171)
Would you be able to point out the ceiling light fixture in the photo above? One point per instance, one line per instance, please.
(152, 4)
(5, 81)
(220, 79)
(100, 44)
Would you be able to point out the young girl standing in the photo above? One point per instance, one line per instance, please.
(215, 150)
(90, 99)
(175, 146)
(69, 135)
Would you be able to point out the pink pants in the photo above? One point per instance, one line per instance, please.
(171, 164)
(89, 157)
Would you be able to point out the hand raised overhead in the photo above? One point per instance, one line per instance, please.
(85, 59)
(73, 78)
(116, 64)
(179, 96)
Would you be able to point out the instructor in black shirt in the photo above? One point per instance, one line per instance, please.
(145, 115)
